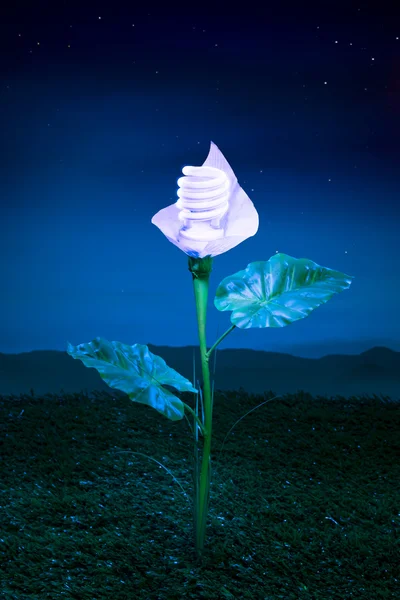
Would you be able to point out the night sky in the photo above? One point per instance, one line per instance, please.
(100, 111)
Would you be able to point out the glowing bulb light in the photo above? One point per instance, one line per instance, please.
(203, 197)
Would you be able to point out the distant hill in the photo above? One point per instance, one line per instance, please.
(318, 349)
(376, 371)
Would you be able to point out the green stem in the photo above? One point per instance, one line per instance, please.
(201, 269)
(200, 424)
(219, 341)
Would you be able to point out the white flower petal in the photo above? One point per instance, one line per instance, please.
(239, 223)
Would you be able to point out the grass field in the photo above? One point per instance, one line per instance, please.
(305, 500)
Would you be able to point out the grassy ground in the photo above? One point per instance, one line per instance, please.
(304, 500)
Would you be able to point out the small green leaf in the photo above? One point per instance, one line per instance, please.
(137, 372)
(277, 292)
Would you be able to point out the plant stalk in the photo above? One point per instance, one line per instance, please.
(201, 269)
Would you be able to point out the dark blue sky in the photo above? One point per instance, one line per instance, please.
(98, 117)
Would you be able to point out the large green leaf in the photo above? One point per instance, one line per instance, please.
(277, 292)
(137, 372)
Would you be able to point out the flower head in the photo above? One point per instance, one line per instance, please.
(212, 214)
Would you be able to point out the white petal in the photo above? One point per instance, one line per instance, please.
(240, 222)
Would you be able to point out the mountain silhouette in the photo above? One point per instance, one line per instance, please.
(375, 371)
(317, 349)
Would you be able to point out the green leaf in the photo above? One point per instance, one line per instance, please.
(277, 292)
(137, 372)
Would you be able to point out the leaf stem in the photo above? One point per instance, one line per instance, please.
(219, 341)
(200, 424)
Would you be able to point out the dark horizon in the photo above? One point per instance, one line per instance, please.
(99, 115)
(375, 372)
(311, 350)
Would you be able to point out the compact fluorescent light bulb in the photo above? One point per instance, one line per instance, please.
(203, 197)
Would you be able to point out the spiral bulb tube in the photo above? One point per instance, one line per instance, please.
(203, 197)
